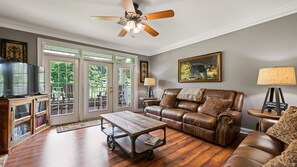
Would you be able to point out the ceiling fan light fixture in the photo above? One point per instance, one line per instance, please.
(131, 24)
(126, 28)
(139, 27)
(132, 20)
(136, 30)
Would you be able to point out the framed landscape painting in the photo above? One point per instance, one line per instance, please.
(143, 71)
(203, 68)
(14, 50)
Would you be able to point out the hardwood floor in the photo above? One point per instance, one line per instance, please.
(87, 148)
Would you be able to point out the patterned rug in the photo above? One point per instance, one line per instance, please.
(77, 125)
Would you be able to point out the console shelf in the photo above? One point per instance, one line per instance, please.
(21, 118)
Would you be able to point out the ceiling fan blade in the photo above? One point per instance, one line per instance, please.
(150, 30)
(122, 22)
(159, 15)
(105, 18)
(122, 33)
(128, 6)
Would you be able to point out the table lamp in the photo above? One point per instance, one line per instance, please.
(275, 76)
(150, 82)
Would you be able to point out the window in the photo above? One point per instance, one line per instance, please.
(96, 56)
(123, 59)
(60, 50)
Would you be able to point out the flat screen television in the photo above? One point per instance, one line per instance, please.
(20, 79)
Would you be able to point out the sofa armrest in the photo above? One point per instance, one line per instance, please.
(151, 103)
(232, 116)
(266, 123)
(228, 127)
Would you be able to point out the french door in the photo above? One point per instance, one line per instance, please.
(62, 84)
(98, 89)
(82, 89)
(123, 87)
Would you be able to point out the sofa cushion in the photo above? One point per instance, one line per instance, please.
(188, 105)
(168, 101)
(173, 123)
(220, 94)
(156, 110)
(200, 120)
(286, 128)
(236, 161)
(156, 117)
(214, 106)
(262, 141)
(253, 154)
(287, 158)
(172, 91)
(173, 113)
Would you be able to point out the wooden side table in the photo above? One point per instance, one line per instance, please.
(264, 114)
(145, 99)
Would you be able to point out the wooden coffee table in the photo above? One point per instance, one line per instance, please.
(129, 131)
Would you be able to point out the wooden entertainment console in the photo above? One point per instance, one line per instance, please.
(21, 118)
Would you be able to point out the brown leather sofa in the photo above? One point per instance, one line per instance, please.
(257, 148)
(186, 116)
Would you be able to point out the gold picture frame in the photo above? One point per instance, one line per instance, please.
(203, 68)
(143, 70)
(14, 50)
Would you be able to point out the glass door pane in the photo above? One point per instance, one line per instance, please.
(124, 87)
(97, 92)
(22, 111)
(61, 82)
(98, 87)
(22, 121)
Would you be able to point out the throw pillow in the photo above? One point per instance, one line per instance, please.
(168, 101)
(286, 128)
(214, 106)
(287, 158)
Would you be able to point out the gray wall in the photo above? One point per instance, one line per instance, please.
(30, 38)
(142, 90)
(272, 43)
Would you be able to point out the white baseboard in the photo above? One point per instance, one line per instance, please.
(246, 130)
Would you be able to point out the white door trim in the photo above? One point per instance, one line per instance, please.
(89, 115)
(62, 119)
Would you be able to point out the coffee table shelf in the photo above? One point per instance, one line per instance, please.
(140, 146)
(129, 131)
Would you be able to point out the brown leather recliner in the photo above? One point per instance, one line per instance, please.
(186, 116)
(257, 148)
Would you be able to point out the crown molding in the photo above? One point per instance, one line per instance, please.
(285, 11)
(11, 24)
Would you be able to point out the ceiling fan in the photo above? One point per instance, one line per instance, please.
(133, 20)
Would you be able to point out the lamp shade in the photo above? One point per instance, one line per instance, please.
(277, 76)
(149, 81)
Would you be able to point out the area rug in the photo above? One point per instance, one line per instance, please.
(77, 125)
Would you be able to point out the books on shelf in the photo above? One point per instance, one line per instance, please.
(151, 140)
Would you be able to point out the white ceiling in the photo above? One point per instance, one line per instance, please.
(194, 20)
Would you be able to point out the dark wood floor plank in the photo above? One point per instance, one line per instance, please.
(87, 147)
